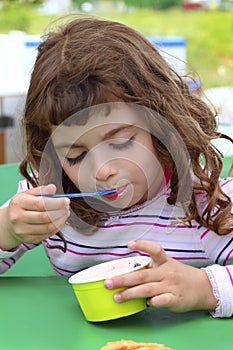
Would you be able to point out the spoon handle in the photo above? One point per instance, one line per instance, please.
(81, 194)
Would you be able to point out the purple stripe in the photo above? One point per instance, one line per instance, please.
(229, 274)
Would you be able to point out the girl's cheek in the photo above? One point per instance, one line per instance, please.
(81, 178)
(72, 173)
(76, 176)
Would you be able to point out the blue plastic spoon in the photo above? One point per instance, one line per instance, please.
(82, 194)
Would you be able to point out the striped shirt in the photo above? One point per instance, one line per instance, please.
(154, 220)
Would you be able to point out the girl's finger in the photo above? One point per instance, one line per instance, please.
(140, 291)
(32, 202)
(54, 203)
(44, 217)
(40, 229)
(131, 279)
(162, 300)
(36, 191)
(152, 248)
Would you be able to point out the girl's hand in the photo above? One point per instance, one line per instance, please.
(169, 283)
(30, 218)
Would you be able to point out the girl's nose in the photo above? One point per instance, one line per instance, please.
(105, 170)
(102, 163)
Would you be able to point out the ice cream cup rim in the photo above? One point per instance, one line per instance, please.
(143, 260)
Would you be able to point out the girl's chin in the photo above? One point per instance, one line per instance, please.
(118, 204)
(125, 203)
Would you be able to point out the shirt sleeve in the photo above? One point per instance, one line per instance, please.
(220, 274)
(8, 254)
(221, 279)
(8, 258)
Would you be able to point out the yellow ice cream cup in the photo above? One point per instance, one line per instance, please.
(95, 300)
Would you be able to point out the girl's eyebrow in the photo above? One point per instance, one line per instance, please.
(112, 132)
(106, 136)
(66, 145)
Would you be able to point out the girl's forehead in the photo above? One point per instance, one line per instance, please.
(99, 123)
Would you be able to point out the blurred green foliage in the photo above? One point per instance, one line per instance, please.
(16, 14)
(208, 35)
(77, 3)
(153, 4)
(15, 17)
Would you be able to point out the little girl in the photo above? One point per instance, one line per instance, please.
(104, 111)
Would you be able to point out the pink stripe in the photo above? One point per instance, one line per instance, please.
(204, 233)
(229, 274)
(58, 272)
(227, 257)
(26, 246)
(228, 180)
(6, 263)
(199, 258)
(145, 223)
(106, 253)
(94, 254)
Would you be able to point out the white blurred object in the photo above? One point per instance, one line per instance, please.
(87, 7)
(222, 100)
(225, 146)
(55, 6)
(173, 50)
(17, 57)
(11, 55)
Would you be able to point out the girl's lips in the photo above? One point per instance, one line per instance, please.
(115, 195)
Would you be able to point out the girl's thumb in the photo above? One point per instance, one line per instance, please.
(47, 189)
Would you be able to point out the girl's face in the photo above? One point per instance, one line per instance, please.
(111, 151)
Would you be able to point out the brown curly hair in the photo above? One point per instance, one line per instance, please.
(77, 66)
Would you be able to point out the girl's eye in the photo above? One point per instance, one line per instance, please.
(123, 145)
(73, 161)
(118, 146)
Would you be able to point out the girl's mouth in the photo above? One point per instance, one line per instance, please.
(114, 196)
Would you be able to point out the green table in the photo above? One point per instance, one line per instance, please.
(40, 313)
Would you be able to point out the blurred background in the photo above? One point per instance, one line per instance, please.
(195, 36)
